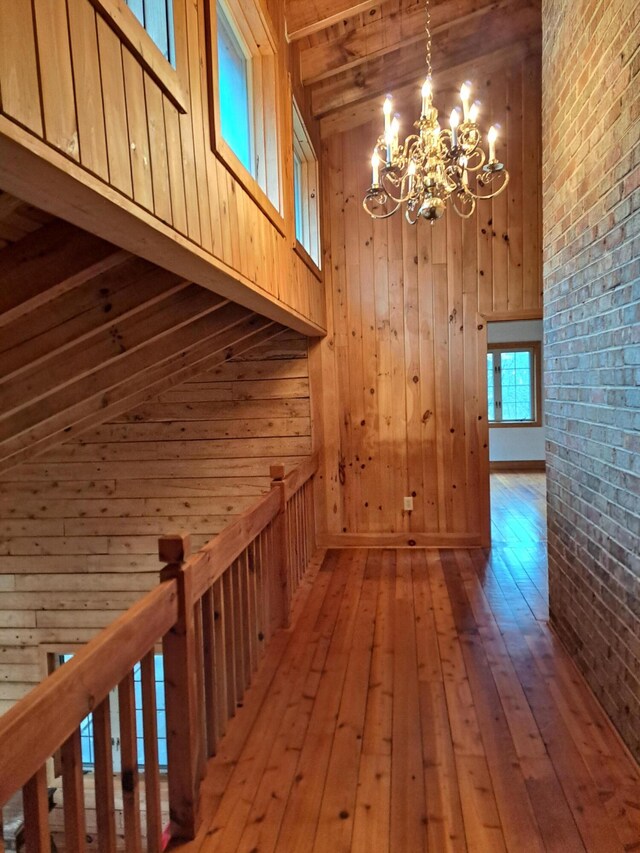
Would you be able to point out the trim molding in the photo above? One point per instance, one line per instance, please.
(518, 465)
(402, 540)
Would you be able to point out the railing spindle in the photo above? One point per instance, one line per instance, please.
(280, 554)
(209, 662)
(229, 635)
(247, 626)
(252, 609)
(201, 731)
(266, 560)
(238, 634)
(129, 757)
(220, 662)
(35, 803)
(105, 806)
(151, 763)
(73, 795)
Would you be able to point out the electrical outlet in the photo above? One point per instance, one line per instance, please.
(408, 504)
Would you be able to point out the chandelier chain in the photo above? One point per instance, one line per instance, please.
(427, 29)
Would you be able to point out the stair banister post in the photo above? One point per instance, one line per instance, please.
(180, 684)
(281, 582)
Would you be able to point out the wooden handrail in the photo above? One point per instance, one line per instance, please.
(296, 479)
(213, 559)
(35, 727)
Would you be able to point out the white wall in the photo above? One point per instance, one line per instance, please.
(512, 444)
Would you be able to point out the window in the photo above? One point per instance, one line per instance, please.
(245, 112)
(86, 727)
(234, 87)
(305, 189)
(513, 384)
(156, 16)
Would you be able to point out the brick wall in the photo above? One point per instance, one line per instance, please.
(591, 179)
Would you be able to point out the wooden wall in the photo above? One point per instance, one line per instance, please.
(79, 527)
(90, 133)
(402, 411)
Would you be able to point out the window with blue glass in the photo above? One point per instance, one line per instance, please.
(244, 76)
(513, 384)
(234, 91)
(156, 16)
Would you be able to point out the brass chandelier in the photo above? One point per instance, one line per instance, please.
(433, 165)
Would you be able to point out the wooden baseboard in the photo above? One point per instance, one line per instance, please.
(520, 465)
(402, 540)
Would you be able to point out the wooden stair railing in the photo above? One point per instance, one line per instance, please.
(213, 613)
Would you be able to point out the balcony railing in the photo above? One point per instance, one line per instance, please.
(213, 614)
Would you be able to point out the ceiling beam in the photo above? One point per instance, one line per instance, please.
(455, 46)
(305, 17)
(221, 345)
(49, 262)
(367, 110)
(385, 34)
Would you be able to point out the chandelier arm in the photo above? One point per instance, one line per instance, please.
(501, 188)
(379, 196)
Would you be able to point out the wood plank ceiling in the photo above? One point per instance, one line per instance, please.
(350, 54)
(87, 330)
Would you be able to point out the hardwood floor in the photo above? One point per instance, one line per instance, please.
(421, 703)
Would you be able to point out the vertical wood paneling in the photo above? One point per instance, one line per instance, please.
(115, 108)
(404, 361)
(176, 171)
(532, 178)
(515, 200)
(56, 76)
(88, 88)
(138, 130)
(20, 92)
(158, 150)
(499, 225)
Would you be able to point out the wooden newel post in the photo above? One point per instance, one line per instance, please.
(281, 581)
(180, 684)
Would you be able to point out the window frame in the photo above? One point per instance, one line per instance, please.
(535, 348)
(303, 149)
(172, 81)
(256, 34)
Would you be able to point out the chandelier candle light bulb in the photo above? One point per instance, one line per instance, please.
(426, 96)
(395, 132)
(375, 167)
(465, 94)
(433, 165)
(491, 137)
(386, 109)
(454, 121)
(411, 173)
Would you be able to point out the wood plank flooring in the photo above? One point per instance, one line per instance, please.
(421, 703)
